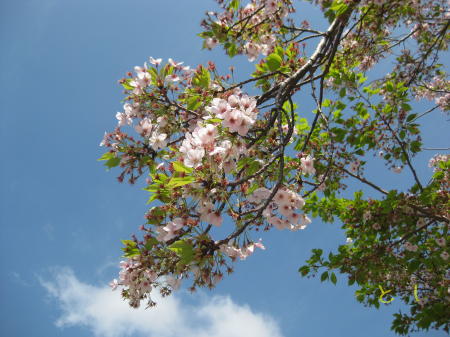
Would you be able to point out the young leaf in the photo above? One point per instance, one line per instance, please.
(184, 250)
(176, 182)
(274, 61)
(180, 167)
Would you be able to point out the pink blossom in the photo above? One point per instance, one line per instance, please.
(131, 110)
(223, 150)
(295, 199)
(143, 76)
(114, 284)
(168, 232)
(293, 217)
(244, 125)
(193, 152)
(207, 214)
(174, 64)
(173, 282)
(268, 43)
(188, 71)
(354, 166)
(158, 141)
(194, 157)
(285, 209)
(206, 135)
(278, 223)
(218, 107)
(440, 242)
(259, 195)
(172, 78)
(252, 51)
(161, 121)
(232, 120)
(410, 247)
(230, 251)
(271, 6)
(304, 222)
(307, 165)
(155, 62)
(210, 42)
(282, 197)
(140, 71)
(144, 127)
(234, 101)
(123, 119)
(138, 86)
(215, 219)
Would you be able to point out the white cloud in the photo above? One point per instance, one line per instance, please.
(107, 315)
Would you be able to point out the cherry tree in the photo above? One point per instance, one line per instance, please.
(212, 155)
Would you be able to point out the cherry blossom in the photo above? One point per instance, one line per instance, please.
(158, 141)
(174, 64)
(307, 165)
(155, 62)
(123, 119)
(168, 232)
(210, 42)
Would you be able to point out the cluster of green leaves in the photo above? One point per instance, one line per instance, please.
(279, 64)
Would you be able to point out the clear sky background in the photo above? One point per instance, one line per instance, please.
(62, 216)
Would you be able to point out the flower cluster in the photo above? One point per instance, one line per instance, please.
(187, 147)
(434, 161)
(241, 253)
(286, 203)
(138, 281)
(260, 17)
(438, 90)
(238, 112)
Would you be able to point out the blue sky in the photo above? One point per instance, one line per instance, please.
(62, 216)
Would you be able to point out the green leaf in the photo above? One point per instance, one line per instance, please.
(106, 156)
(304, 270)
(131, 252)
(234, 4)
(193, 103)
(324, 276)
(406, 107)
(127, 86)
(184, 250)
(176, 182)
(202, 79)
(333, 278)
(415, 146)
(153, 197)
(111, 159)
(232, 50)
(338, 7)
(150, 243)
(128, 243)
(113, 162)
(213, 120)
(389, 86)
(274, 61)
(180, 167)
(411, 117)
